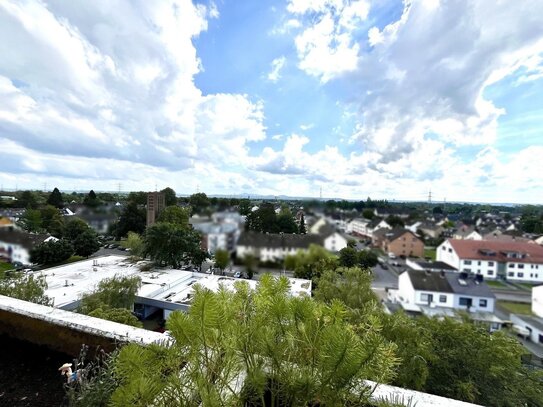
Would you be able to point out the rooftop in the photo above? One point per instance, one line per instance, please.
(498, 250)
(448, 282)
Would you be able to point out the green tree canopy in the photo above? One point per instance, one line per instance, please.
(52, 222)
(86, 243)
(132, 219)
(368, 213)
(120, 315)
(169, 196)
(348, 257)
(173, 245)
(244, 206)
(222, 258)
(111, 293)
(55, 199)
(51, 252)
(73, 228)
(31, 220)
(301, 226)
(91, 200)
(199, 202)
(367, 259)
(176, 215)
(135, 243)
(249, 335)
(26, 287)
(311, 263)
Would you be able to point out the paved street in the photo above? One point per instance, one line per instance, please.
(384, 278)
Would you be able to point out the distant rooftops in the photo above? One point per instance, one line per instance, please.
(24, 239)
(256, 239)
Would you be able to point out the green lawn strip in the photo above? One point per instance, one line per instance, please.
(516, 307)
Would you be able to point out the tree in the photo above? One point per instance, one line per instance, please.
(26, 287)
(120, 315)
(222, 258)
(138, 198)
(132, 219)
(27, 199)
(285, 222)
(199, 202)
(348, 257)
(91, 200)
(31, 220)
(73, 228)
(173, 245)
(264, 219)
(86, 243)
(52, 222)
(111, 293)
(301, 226)
(367, 259)
(176, 215)
(368, 213)
(351, 243)
(226, 336)
(51, 252)
(244, 207)
(55, 199)
(474, 365)
(135, 243)
(310, 264)
(251, 265)
(395, 221)
(169, 196)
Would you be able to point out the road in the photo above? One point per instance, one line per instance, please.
(110, 252)
(384, 278)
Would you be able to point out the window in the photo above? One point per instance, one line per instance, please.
(482, 303)
(442, 298)
(490, 264)
(510, 274)
(520, 274)
(465, 302)
(511, 265)
(489, 272)
(467, 270)
(450, 250)
(467, 262)
(478, 263)
(443, 248)
(426, 298)
(520, 266)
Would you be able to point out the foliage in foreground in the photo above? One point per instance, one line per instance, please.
(113, 300)
(294, 350)
(26, 287)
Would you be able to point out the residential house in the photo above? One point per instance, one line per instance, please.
(430, 229)
(215, 236)
(531, 326)
(358, 227)
(467, 233)
(511, 260)
(402, 242)
(15, 245)
(433, 266)
(275, 247)
(445, 293)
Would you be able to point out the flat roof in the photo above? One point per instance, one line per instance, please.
(67, 283)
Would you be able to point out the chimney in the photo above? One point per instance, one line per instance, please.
(442, 274)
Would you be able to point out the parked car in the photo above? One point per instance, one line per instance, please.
(391, 255)
(237, 274)
(384, 266)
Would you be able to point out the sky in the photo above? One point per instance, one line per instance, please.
(355, 98)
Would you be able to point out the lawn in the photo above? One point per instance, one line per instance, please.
(527, 286)
(496, 284)
(516, 307)
(5, 266)
(430, 252)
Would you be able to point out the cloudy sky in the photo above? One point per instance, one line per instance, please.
(379, 98)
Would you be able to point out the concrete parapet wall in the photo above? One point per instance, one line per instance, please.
(66, 331)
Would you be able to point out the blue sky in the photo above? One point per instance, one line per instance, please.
(381, 98)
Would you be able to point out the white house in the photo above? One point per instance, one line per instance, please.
(217, 236)
(517, 261)
(358, 226)
(531, 326)
(275, 247)
(467, 233)
(443, 293)
(16, 244)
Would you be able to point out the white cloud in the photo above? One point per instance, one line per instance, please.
(326, 47)
(277, 65)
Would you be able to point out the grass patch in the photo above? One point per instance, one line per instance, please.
(496, 284)
(527, 286)
(516, 307)
(430, 253)
(5, 266)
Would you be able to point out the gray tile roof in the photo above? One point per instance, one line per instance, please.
(448, 282)
(260, 240)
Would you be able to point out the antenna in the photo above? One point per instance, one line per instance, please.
(320, 193)
(430, 196)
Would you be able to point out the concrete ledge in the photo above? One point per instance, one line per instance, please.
(66, 331)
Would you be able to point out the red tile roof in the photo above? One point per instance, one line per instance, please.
(483, 249)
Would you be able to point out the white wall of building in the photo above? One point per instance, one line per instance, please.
(488, 268)
(483, 304)
(18, 252)
(537, 301)
(335, 242)
(524, 272)
(447, 254)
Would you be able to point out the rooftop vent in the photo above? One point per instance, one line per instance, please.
(462, 282)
